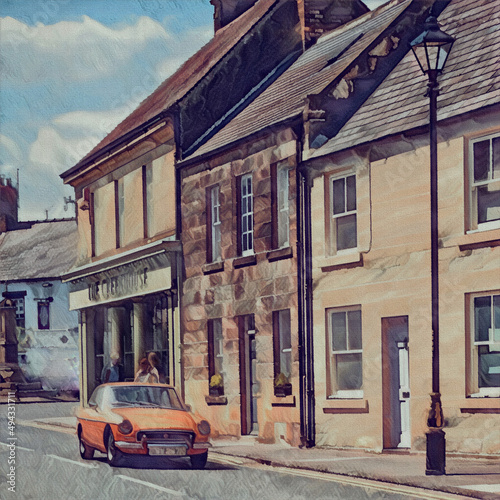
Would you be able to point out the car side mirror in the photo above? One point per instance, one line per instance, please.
(188, 408)
(93, 405)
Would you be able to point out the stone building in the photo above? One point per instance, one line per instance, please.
(245, 213)
(287, 284)
(128, 278)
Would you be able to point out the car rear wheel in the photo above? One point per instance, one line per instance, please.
(199, 461)
(114, 455)
(86, 452)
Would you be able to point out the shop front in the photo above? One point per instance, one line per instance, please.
(128, 305)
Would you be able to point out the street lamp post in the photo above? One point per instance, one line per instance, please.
(431, 49)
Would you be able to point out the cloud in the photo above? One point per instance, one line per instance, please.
(92, 122)
(9, 150)
(72, 51)
(54, 153)
(65, 86)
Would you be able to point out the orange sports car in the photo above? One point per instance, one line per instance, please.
(141, 419)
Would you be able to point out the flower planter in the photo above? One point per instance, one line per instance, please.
(216, 391)
(283, 390)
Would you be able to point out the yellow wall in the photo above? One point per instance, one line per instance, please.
(394, 280)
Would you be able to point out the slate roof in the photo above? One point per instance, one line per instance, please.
(471, 80)
(46, 250)
(186, 77)
(310, 74)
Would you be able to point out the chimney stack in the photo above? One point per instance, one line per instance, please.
(226, 11)
(321, 16)
(8, 205)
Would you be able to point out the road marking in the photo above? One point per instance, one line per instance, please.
(486, 488)
(17, 447)
(88, 466)
(46, 426)
(151, 485)
(338, 459)
(226, 460)
(400, 489)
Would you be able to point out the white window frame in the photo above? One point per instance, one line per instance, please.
(495, 346)
(283, 188)
(20, 305)
(216, 223)
(346, 213)
(149, 202)
(491, 181)
(218, 346)
(334, 391)
(246, 204)
(285, 334)
(120, 216)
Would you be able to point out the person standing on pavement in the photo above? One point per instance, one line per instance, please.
(144, 373)
(113, 371)
(156, 369)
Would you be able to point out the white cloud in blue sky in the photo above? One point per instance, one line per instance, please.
(71, 70)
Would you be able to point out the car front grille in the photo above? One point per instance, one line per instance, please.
(166, 437)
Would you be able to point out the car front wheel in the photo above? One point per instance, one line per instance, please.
(199, 461)
(114, 455)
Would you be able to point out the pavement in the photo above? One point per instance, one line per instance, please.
(468, 476)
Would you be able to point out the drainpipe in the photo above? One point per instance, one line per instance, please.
(306, 355)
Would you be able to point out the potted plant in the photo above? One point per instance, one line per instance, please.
(216, 387)
(282, 386)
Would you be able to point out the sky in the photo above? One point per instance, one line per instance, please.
(71, 70)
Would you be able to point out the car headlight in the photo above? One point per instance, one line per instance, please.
(204, 428)
(126, 427)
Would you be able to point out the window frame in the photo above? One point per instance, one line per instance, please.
(215, 348)
(19, 300)
(279, 352)
(333, 392)
(214, 224)
(280, 205)
(331, 218)
(473, 185)
(242, 251)
(473, 389)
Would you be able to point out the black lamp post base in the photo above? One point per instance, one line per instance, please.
(436, 456)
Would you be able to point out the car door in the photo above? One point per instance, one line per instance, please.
(93, 420)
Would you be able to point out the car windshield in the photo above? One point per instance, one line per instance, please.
(164, 397)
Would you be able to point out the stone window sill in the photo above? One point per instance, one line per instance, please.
(474, 239)
(279, 254)
(480, 405)
(249, 260)
(216, 400)
(342, 261)
(283, 401)
(346, 406)
(213, 267)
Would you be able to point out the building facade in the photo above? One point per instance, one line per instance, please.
(124, 283)
(370, 250)
(271, 240)
(240, 294)
(33, 257)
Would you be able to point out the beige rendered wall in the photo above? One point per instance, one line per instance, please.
(394, 280)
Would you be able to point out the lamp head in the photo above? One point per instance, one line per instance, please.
(432, 47)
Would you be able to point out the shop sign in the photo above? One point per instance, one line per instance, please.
(147, 276)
